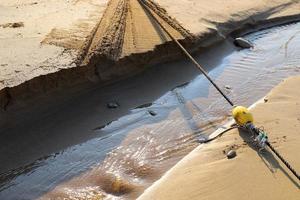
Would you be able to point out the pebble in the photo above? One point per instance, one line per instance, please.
(16, 24)
(113, 105)
(152, 113)
(227, 87)
(243, 43)
(231, 154)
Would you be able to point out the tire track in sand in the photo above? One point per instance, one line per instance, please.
(125, 29)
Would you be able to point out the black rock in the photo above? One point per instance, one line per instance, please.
(227, 87)
(231, 154)
(243, 43)
(152, 113)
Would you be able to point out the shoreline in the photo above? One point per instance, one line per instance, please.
(195, 174)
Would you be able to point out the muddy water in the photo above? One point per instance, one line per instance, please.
(134, 150)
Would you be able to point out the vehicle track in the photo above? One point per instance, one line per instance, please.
(126, 29)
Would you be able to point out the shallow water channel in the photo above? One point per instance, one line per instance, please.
(162, 114)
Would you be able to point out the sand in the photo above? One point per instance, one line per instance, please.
(125, 29)
(206, 173)
(25, 52)
(60, 42)
(43, 40)
(204, 16)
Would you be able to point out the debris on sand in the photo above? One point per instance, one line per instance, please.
(12, 25)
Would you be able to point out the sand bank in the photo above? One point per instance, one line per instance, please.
(56, 45)
(206, 173)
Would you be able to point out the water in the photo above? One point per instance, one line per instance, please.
(128, 154)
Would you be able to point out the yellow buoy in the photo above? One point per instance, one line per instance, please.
(242, 115)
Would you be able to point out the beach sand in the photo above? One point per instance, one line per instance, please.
(39, 57)
(44, 52)
(206, 173)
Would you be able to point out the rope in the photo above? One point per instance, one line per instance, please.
(171, 21)
(185, 52)
(252, 129)
(256, 130)
(284, 161)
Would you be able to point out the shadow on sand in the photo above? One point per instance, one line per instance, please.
(267, 157)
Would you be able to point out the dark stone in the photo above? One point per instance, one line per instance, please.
(231, 154)
(152, 113)
(227, 87)
(112, 105)
(17, 24)
(243, 43)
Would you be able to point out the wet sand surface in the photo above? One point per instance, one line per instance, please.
(141, 147)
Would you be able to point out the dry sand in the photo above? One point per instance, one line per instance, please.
(206, 173)
(24, 54)
(125, 29)
(204, 16)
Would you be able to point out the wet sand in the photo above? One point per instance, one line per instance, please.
(206, 173)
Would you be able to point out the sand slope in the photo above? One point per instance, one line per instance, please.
(206, 173)
(125, 29)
